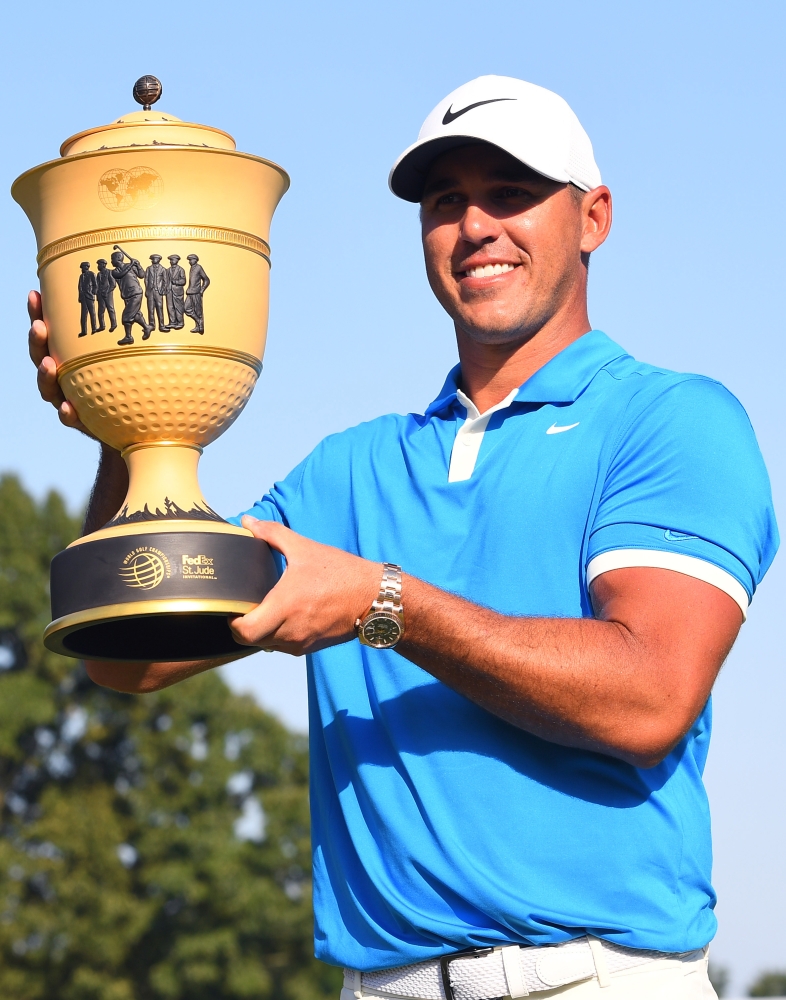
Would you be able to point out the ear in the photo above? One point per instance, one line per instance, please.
(596, 212)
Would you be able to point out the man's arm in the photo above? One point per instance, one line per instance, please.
(109, 490)
(142, 678)
(629, 683)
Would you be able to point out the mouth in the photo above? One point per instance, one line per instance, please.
(488, 270)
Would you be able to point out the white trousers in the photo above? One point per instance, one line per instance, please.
(680, 978)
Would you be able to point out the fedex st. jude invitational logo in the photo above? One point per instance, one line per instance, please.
(144, 568)
(198, 567)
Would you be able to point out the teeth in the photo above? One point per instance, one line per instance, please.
(488, 270)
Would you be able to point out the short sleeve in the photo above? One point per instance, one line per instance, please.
(275, 503)
(687, 489)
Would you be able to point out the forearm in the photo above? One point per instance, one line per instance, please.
(109, 490)
(579, 682)
(143, 678)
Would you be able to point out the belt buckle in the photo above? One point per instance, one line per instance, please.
(444, 966)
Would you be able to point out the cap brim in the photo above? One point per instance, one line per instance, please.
(408, 175)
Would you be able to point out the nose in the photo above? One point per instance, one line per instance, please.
(477, 227)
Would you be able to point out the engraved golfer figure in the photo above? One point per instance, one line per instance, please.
(175, 292)
(127, 277)
(87, 298)
(106, 285)
(198, 282)
(155, 289)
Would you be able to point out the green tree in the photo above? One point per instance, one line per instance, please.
(769, 984)
(719, 977)
(155, 847)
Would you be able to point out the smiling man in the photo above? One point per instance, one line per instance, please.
(514, 607)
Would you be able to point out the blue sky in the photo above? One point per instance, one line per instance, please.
(684, 104)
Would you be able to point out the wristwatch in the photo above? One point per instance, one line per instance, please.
(383, 626)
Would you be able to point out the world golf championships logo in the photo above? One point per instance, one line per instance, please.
(144, 568)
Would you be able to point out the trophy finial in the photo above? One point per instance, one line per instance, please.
(147, 91)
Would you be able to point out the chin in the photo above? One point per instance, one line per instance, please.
(495, 329)
(498, 337)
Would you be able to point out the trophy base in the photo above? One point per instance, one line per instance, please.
(160, 595)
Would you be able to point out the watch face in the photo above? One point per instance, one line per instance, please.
(382, 631)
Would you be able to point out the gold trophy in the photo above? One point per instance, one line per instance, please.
(154, 264)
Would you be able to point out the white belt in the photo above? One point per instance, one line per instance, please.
(511, 971)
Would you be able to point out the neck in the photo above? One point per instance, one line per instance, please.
(489, 372)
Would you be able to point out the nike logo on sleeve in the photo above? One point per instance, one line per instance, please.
(558, 430)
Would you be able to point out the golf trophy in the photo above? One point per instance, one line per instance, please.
(154, 264)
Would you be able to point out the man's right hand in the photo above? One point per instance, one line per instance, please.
(48, 387)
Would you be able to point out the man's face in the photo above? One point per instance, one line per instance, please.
(484, 209)
(102, 265)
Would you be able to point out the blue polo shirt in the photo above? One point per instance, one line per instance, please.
(437, 826)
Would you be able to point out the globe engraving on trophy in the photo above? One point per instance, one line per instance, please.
(154, 262)
(139, 187)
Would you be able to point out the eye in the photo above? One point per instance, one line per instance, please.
(511, 191)
(449, 199)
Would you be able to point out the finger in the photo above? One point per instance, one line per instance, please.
(281, 538)
(259, 626)
(68, 416)
(34, 310)
(38, 342)
(48, 385)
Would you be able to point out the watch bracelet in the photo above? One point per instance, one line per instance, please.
(389, 597)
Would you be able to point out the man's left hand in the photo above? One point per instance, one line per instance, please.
(316, 602)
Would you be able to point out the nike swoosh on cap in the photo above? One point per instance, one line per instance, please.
(451, 115)
(558, 430)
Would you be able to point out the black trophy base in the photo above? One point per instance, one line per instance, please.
(156, 595)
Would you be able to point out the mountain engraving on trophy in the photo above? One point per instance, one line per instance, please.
(199, 512)
(171, 294)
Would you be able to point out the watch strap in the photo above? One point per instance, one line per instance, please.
(389, 597)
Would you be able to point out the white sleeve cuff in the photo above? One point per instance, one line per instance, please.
(676, 561)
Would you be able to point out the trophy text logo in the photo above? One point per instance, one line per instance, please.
(198, 568)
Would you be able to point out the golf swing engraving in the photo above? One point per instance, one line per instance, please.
(161, 284)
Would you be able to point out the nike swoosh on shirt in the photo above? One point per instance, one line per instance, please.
(451, 115)
(558, 430)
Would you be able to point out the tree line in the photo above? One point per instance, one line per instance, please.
(153, 847)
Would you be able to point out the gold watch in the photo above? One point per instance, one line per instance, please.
(383, 626)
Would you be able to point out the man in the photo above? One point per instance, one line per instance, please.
(127, 277)
(86, 288)
(155, 288)
(106, 286)
(175, 285)
(509, 803)
(198, 282)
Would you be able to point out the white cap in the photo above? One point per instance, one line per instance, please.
(531, 123)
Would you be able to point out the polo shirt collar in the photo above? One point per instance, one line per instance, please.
(561, 380)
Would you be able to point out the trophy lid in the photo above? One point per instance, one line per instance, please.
(146, 128)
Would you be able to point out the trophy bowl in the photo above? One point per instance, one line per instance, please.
(154, 263)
